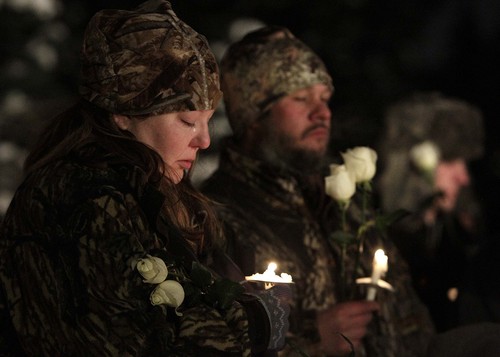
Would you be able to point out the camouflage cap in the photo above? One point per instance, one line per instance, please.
(264, 66)
(147, 61)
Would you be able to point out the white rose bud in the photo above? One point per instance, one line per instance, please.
(340, 185)
(425, 156)
(169, 293)
(361, 162)
(152, 269)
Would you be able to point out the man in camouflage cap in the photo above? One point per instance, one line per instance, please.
(274, 206)
(147, 61)
(262, 68)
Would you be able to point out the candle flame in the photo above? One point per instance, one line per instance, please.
(271, 268)
(380, 260)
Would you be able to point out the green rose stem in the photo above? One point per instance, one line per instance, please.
(343, 251)
(366, 190)
(429, 176)
(296, 348)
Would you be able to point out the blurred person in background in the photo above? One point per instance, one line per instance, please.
(426, 146)
(105, 246)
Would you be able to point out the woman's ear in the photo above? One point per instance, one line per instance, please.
(122, 121)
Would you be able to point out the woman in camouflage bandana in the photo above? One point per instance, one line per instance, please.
(106, 214)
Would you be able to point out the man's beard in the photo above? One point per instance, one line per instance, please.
(278, 150)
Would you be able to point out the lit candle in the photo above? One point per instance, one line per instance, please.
(269, 277)
(379, 270)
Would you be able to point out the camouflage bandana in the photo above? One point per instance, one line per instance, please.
(147, 61)
(264, 66)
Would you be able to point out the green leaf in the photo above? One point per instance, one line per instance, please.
(384, 221)
(365, 227)
(193, 294)
(201, 276)
(342, 237)
(366, 186)
(223, 292)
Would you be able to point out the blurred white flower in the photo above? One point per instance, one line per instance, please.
(169, 293)
(152, 269)
(340, 185)
(360, 161)
(425, 156)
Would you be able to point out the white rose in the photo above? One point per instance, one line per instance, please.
(425, 156)
(169, 293)
(152, 269)
(340, 185)
(361, 162)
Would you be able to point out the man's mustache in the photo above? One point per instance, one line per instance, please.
(314, 127)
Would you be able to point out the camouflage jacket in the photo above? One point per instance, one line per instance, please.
(67, 280)
(272, 215)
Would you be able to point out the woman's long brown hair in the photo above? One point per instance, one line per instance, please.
(82, 128)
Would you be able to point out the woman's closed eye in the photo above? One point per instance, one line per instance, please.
(187, 123)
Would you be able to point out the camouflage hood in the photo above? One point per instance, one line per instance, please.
(455, 126)
(264, 66)
(452, 125)
(147, 61)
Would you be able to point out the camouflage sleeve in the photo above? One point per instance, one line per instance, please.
(72, 290)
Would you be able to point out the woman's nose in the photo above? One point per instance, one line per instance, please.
(202, 138)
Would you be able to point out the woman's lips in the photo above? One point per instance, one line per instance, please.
(185, 164)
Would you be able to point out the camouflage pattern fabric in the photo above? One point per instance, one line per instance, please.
(273, 215)
(264, 66)
(67, 283)
(147, 61)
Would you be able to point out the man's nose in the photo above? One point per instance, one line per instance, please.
(321, 111)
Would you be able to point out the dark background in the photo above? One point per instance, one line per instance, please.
(377, 52)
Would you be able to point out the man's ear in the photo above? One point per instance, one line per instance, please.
(122, 121)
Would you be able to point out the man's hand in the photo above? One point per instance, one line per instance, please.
(349, 319)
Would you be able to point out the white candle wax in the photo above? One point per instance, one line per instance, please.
(269, 277)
